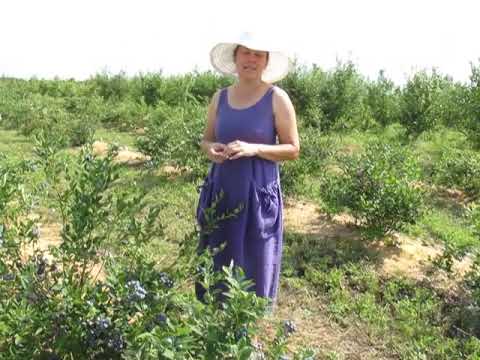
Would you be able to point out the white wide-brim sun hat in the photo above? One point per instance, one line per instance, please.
(279, 63)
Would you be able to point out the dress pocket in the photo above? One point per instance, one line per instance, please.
(267, 208)
(204, 200)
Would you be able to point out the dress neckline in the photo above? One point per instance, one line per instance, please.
(248, 107)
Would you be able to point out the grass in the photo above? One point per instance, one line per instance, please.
(14, 146)
(112, 136)
(410, 318)
(440, 226)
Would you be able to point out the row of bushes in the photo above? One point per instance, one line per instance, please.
(328, 100)
(381, 197)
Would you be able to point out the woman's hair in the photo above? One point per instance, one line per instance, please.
(236, 50)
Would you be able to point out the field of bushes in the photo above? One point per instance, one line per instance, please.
(98, 257)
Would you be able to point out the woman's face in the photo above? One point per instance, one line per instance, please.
(250, 63)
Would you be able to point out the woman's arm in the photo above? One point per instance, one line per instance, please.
(286, 125)
(214, 151)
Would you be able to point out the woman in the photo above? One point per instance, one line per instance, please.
(240, 138)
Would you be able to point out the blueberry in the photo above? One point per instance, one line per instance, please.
(137, 292)
(241, 333)
(36, 232)
(8, 277)
(165, 280)
(103, 323)
(116, 342)
(92, 339)
(160, 319)
(41, 265)
(289, 327)
(132, 284)
(99, 331)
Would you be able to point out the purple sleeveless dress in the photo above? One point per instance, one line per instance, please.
(253, 237)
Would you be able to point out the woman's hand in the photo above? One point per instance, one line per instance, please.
(237, 149)
(216, 152)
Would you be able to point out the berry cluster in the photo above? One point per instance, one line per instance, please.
(101, 334)
(165, 280)
(289, 327)
(160, 319)
(41, 264)
(241, 333)
(8, 277)
(136, 291)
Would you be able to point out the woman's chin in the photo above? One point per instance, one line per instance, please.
(247, 75)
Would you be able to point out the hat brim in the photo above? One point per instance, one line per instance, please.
(221, 58)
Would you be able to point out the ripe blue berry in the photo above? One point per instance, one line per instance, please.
(241, 333)
(289, 327)
(41, 265)
(160, 319)
(103, 323)
(8, 277)
(36, 232)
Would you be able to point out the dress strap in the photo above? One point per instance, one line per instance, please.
(270, 90)
(223, 96)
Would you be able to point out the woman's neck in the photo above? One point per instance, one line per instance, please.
(244, 86)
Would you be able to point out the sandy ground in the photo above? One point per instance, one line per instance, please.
(124, 156)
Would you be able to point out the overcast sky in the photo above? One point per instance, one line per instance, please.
(47, 38)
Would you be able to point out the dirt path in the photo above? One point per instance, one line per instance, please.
(315, 330)
(410, 258)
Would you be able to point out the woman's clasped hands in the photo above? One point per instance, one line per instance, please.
(219, 152)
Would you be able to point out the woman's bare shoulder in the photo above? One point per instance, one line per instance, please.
(215, 99)
(280, 98)
(279, 92)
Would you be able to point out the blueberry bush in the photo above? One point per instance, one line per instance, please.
(173, 136)
(100, 294)
(377, 187)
